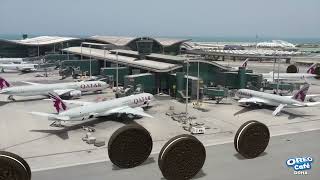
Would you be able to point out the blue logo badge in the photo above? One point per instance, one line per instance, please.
(300, 165)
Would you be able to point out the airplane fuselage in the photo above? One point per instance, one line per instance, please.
(287, 76)
(270, 99)
(18, 67)
(101, 108)
(11, 60)
(44, 89)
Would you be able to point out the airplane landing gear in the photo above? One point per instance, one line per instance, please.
(56, 124)
(11, 98)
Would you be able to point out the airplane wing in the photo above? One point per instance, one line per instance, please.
(55, 116)
(253, 100)
(26, 69)
(313, 95)
(278, 109)
(127, 110)
(312, 103)
(31, 83)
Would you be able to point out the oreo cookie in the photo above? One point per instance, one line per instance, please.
(251, 139)
(239, 130)
(129, 146)
(13, 167)
(182, 157)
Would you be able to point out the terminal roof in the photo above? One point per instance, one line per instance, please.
(123, 41)
(149, 65)
(151, 56)
(41, 40)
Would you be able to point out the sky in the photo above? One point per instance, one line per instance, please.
(212, 18)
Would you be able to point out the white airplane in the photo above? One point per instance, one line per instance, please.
(11, 60)
(65, 90)
(131, 105)
(248, 97)
(23, 67)
(291, 76)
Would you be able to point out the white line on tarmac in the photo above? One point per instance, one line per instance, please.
(156, 152)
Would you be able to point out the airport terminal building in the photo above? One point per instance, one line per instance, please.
(33, 47)
(154, 63)
(42, 45)
(158, 45)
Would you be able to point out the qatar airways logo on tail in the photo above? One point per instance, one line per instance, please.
(57, 103)
(312, 69)
(142, 99)
(245, 64)
(301, 95)
(3, 84)
(87, 86)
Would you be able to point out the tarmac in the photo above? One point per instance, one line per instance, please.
(46, 147)
(222, 163)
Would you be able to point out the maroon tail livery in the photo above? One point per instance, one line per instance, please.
(57, 102)
(245, 63)
(312, 69)
(3, 83)
(301, 94)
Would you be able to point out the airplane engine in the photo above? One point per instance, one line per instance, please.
(75, 94)
(146, 103)
(292, 69)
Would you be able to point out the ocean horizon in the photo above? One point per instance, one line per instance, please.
(298, 40)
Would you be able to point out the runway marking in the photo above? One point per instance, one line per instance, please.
(157, 152)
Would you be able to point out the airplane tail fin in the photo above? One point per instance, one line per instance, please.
(3, 83)
(312, 69)
(301, 94)
(58, 103)
(245, 63)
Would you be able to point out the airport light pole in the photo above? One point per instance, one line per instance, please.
(198, 85)
(104, 55)
(278, 76)
(68, 51)
(61, 47)
(81, 50)
(117, 71)
(187, 87)
(274, 64)
(90, 61)
(38, 48)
